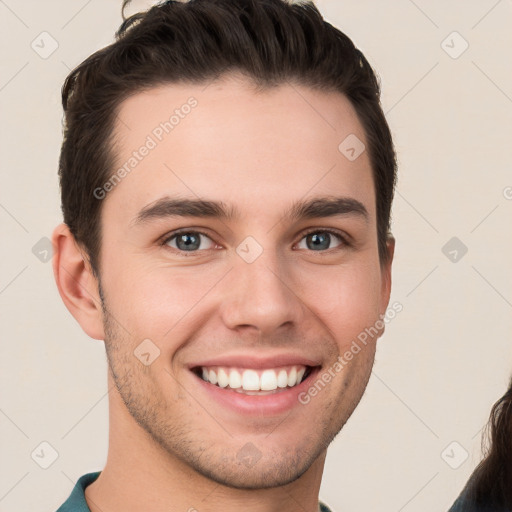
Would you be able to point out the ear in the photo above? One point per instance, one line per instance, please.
(77, 285)
(386, 275)
(386, 271)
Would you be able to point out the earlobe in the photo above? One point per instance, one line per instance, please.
(77, 285)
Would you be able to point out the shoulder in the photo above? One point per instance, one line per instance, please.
(464, 504)
(323, 507)
(76, 501)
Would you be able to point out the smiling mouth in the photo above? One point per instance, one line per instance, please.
(250, 381)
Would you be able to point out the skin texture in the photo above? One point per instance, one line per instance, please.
(171, 448)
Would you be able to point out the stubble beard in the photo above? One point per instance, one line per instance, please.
(180, 441)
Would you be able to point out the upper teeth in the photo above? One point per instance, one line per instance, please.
(254, 380)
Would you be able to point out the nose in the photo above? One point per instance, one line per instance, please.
(261, 296)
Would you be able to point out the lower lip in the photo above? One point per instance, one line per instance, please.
(272, 404)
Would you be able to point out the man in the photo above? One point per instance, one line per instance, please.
(227, 176)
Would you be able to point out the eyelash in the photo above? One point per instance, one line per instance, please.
(167, 238)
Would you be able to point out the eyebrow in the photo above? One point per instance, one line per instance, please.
(329, 206)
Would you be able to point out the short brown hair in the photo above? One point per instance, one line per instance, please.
(269, 41)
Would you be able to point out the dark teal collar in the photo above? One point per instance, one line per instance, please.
(76, 501)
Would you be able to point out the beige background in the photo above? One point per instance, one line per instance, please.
(444, 359)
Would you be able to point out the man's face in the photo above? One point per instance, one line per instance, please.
(260, 290)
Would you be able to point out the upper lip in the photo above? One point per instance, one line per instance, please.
(256, 362)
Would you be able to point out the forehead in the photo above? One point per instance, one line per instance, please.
(226, 140)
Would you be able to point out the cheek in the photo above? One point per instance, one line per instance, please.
(348, 301)
(151, 301)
